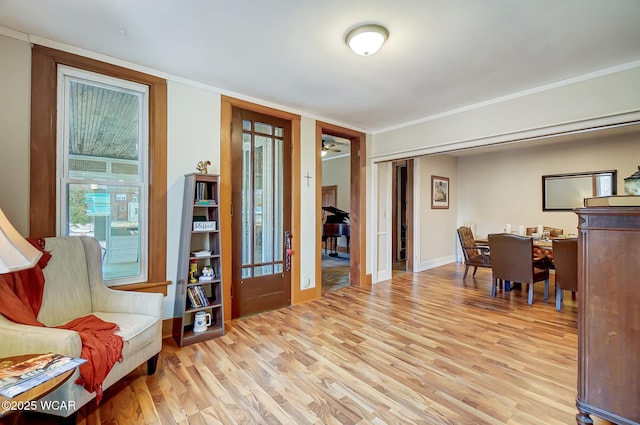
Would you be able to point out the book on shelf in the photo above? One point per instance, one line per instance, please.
(613, 201)
(201, 191)
(197, 296)
(202, 296)
(16, 378)
(205, 299)
(201, 253)
(193, 301)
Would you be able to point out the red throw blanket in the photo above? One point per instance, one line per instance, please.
(20, 302)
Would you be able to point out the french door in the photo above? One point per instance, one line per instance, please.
(261, 213)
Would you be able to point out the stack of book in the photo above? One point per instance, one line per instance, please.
(613, 201)
(197, 296)
(201, 191)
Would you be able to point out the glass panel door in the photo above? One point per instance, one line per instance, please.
(260, 155)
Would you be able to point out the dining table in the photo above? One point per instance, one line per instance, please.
(540, 243)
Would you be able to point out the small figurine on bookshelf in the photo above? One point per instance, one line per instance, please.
(207, 274)
(202, 166)
(193, 269)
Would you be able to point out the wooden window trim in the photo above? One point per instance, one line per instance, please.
(42, 212)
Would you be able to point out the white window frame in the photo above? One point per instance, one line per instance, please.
(65, 75)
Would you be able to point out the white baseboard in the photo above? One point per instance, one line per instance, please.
(430, 264)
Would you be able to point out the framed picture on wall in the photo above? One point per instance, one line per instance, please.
(439, 192)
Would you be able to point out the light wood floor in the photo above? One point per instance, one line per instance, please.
(420, 349)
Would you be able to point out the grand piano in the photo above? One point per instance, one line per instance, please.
(335, 226)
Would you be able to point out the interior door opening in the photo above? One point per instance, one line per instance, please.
(356, 206)
(261, 217)
(336, 204)
(402, 216)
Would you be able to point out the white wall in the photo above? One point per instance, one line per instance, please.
(338, 172)
(612, 96)
(307, 250)
(193, 134)
(506, 187)
(434, 243)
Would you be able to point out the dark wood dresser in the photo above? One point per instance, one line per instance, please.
(609, 314)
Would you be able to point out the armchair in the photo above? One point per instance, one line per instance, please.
(74, 288)
(512, 260)
(474, 255)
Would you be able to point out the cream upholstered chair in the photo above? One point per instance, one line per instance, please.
(74, 288)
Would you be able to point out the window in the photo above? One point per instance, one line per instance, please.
(45, 193)
(102, 163)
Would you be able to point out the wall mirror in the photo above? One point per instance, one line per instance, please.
(564, 192)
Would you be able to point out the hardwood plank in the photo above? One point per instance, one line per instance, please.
(425, 348)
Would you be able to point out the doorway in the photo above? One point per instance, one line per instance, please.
(261, 154)
(402, 216)
(336, 185)
(355, 207)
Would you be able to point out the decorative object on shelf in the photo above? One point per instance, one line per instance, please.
(201, 321)
(204, 226)
(632, 183)
(202, 166)
(439, 192)
(193, 269)
(207, 274)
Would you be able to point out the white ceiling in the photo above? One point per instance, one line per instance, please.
(440, 56)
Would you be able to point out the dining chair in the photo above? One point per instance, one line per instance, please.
(512, 260)
(474, 255)
(553, 231)
(565, 259)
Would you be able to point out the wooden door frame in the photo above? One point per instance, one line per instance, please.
(410, 214)
(226, 107)
(396, 214)
(357, 214)
(409, 164)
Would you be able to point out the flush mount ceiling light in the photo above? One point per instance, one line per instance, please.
(365, 40)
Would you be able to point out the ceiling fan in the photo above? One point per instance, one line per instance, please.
(328, 145)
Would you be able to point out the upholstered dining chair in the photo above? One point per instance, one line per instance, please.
(512, 260)
(474, 255)
(553, 231)
(565, 259)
